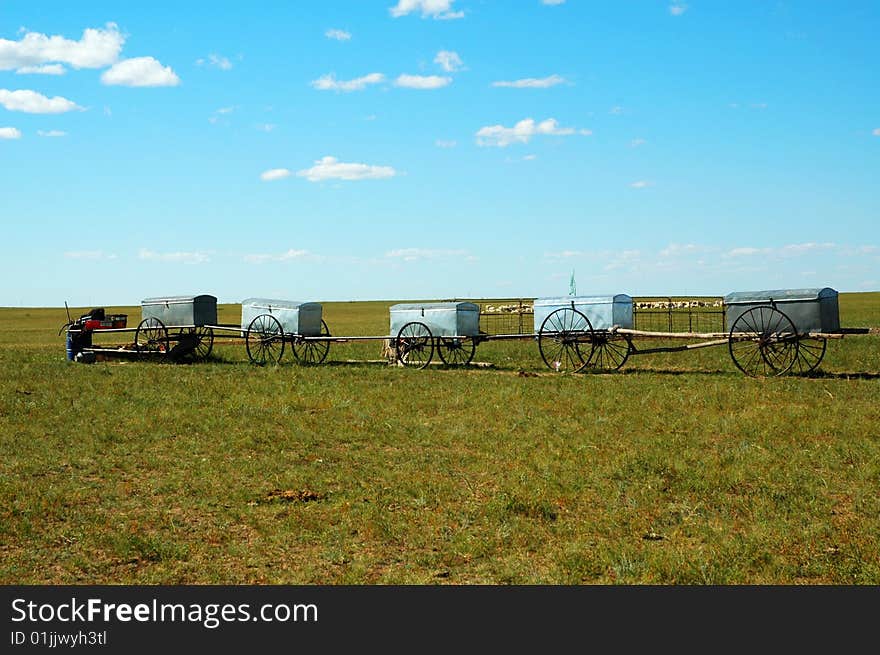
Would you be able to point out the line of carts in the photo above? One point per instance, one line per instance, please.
(768, 333)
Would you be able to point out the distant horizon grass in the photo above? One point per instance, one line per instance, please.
(677, 469)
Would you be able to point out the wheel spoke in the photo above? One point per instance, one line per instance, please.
(265, 340)
(415, 345)
(560, 337)
(763, 342)
(455, 351)
(151, 336)
(810, 354)
(609, 353)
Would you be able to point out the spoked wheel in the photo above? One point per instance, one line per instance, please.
(810, 352)
(610, 352)
(311, 352)
(265, 340)
(415, 345)
(151, 336)
(763, 342)
(566, 340)
(204, 342)
(456, 351)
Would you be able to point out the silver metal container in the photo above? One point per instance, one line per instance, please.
(301, 318)
(444, 319)
(811, 310)
(181, 310)
(604, 312)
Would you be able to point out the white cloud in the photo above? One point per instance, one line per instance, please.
(329, 168)
(677, 9)
(440, 143)
(552, 2)
(32, 102)
(616, 111)
(215, 61)
(51, 133)
(415, 254)
(437, 9)
(96, 49)
(44, 69)
(448, 61)
(182, 257)
(635, 143)
(565, 254)
(266, 127)
(274, 174)
(796, 249)
(522, 132)
(330, 83)
(140, 71)
(422, 81)
(786, 251)
(338, 35)
(746, 252)
(641, 184)
(217, 117)
(89, 254)
(283, 257)
(10, 133)
(624, 260)
(531, 82)
(679, 250)
(876, 132)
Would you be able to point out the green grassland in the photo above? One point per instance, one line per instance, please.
(677, 469)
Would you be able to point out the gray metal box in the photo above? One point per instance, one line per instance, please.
(604, 312)
(181, 310)
(301, 318)
(811, 310)
(444, 319)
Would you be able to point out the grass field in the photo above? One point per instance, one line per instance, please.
(677, 469)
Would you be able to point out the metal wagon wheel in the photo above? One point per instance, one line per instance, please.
(311, 352)
(565, 340)
(610, 352)
(456, 351)
(763, 342)
(810, 352)
(265, 340)
(204, 342)
(151, 336)
(414, 345)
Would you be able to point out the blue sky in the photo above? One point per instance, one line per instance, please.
(415, 149)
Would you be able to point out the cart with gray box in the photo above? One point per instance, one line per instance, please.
(794, 327)
(179, 326)
(579, 332)
(268, 324)
(451, 328)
